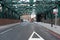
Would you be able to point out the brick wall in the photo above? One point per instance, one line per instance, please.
(8, 21)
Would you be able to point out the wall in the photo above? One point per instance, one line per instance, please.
(8, 21)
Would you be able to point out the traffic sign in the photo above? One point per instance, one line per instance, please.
(55, 11)
(35, 36)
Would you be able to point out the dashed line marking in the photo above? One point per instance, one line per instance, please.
(5, 31)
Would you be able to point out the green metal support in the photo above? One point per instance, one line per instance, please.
(3, 11)
(41, 7)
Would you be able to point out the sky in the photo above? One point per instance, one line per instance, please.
(27, 0)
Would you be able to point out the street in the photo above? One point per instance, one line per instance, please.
(24, 30)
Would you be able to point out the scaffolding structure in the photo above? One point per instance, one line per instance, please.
(15, 8)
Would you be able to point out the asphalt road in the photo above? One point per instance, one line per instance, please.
(24, 30)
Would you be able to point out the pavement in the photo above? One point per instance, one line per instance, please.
(54, 28)
(24, 30)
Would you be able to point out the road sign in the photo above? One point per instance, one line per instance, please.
(35, 36)
(55, 11)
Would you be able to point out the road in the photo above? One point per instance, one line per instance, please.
(24, 30)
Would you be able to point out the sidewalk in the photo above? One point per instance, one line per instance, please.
(55, 28)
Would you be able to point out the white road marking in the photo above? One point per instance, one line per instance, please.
(5, 31)
(40, 38)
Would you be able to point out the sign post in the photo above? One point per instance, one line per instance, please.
(55, 19)
(55, 11)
